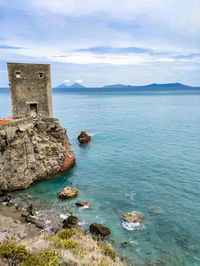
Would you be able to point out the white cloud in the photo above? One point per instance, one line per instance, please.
(87, 7)
(66, 81)
(79, 80)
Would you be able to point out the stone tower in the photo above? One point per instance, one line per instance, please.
(30, 89)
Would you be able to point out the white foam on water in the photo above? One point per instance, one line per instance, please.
(130, 195)
(63, 216)
(84, 207)
(82, 223)
(132, 226)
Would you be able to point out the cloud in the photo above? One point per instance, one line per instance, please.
(79, 80)
(10, 47)
(115, 50)
(66, 81)
(88, 7)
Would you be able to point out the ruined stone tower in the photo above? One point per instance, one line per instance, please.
(30, 89)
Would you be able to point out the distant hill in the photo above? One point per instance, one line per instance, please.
(76, 85)
(153, 85)
(64, 86)
(167, 85)
(117, 86)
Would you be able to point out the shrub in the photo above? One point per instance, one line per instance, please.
(108, 251)
(67, 233)
(18, 253)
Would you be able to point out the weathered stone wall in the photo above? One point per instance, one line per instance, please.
(30, 88)
(32, 149)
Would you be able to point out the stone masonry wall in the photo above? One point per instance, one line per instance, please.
(32, 149)
(30, 88)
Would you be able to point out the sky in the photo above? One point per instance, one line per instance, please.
(100, 42)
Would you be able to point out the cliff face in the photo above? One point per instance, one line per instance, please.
(31, 150)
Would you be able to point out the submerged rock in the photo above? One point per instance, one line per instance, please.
(99, 229)
(133, 217)
(83, 203)
(155, 210)
(68, 193)
(84, 138)
(70, 222)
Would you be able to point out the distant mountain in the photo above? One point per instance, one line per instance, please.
(117, 86)
(121, 86)
(73, 86)
(167, 85)
(62, 86)
(76, 85)
(153, 85)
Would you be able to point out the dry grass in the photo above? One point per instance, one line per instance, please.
(76, 249)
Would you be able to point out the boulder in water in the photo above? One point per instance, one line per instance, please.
(68, 193)
(133, 217)
(84, 138)
(83, 203)
(99, 229)
(70, 222)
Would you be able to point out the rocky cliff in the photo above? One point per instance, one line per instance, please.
(32, 149)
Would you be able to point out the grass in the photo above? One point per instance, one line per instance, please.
(108, 251)
(19, 254)
(67, 233)
(68, 247)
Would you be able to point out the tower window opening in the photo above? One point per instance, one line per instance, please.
(41, 75)
(18, 75)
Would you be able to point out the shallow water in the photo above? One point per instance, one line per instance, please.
(144, 156)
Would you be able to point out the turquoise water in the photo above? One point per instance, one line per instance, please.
(144, 156)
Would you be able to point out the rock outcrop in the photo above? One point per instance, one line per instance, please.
(70, 222)
(99, 229)
(68, 193)
(84, 138)
(133, 217)
(32, 149)
(83, 203)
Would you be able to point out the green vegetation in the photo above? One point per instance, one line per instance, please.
(68, 239)
(70, 245)
(108, 251)
(67, 233)
(19, 254)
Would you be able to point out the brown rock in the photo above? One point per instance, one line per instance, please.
(70, 222)
(83, 203)
(133, 217)
(31, 209)
(84, 138)
(99, 229)
(32, 149)
(25, 214)
(68, 193)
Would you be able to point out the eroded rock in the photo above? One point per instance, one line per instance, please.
(99, 229)
(68, 193)
(84, 138)
(32, 149)
(70, 222)
(83, 203)
(133, 217)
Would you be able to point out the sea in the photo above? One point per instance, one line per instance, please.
(144, 156)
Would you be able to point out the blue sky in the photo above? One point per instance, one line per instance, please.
(104, 42)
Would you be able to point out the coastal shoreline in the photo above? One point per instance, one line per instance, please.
(34, 231)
